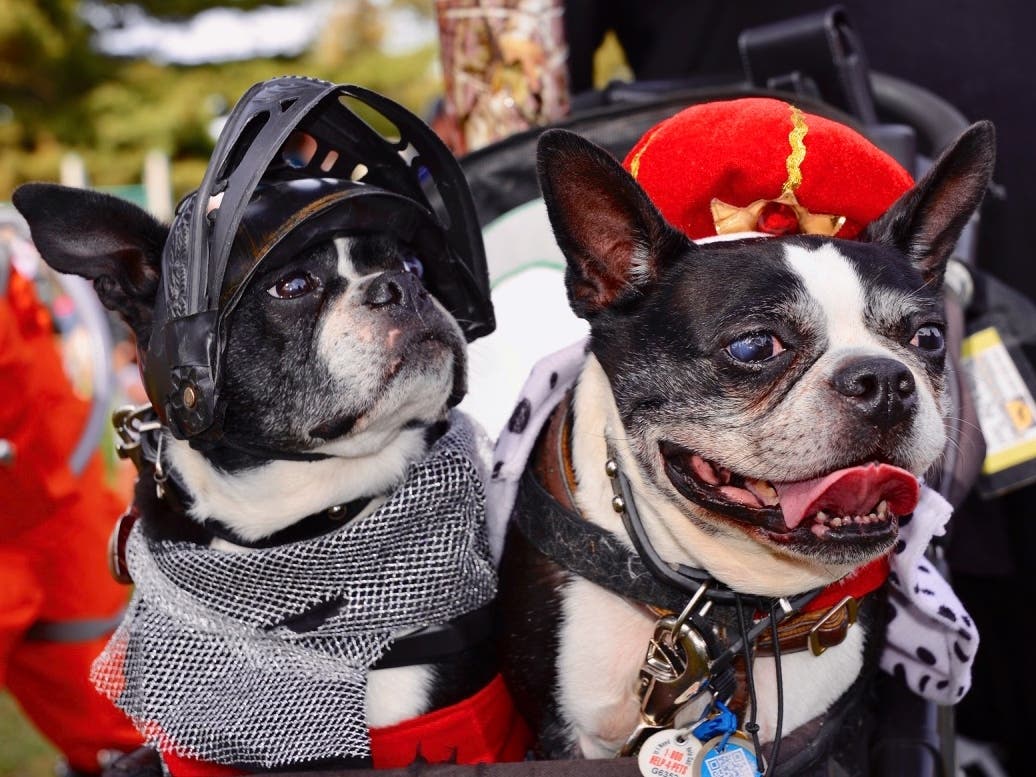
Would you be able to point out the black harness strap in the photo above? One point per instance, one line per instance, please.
(434, 643)
(585, 549)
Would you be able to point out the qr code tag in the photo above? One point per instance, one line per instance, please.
(736, 759)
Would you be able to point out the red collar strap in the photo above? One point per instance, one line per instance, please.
(484, 728)
(827, 618)
(857, 584)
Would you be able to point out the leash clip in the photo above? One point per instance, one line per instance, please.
(675, 671)
(131, 422)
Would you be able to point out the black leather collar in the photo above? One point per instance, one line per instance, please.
(310, 527)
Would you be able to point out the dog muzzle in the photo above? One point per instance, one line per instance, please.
(293, 166)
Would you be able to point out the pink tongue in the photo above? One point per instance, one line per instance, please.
(849, 492)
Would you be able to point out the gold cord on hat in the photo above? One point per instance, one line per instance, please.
(635, 162)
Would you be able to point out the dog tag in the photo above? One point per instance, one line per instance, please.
(668, 753)
(726, 756)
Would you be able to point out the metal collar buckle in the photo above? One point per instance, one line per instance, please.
(851, 607)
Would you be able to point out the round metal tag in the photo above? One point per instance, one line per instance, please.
(668, 753)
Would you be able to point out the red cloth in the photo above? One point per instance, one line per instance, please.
(54, 527)
(739, 151)
(484, 728)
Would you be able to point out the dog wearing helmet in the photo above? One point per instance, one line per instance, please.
(312, 571)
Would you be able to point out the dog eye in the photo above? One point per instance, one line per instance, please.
(756, 347)
(293, 285)
(413, 265)
(929, 338)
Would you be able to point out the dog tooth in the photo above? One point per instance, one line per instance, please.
(822, 517)
(818, 529)
(836, 522)
(882, 510)
(763, 490)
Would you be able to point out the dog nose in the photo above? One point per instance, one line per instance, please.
(402, 289)
(882, 389)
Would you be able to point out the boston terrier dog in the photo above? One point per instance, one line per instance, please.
(751, 419)
(316, 577)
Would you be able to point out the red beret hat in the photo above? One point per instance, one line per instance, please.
(762, 165)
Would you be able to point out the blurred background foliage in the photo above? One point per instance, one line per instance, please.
(60, 93)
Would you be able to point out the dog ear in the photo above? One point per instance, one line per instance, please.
(104, 239)
(926, 221)
(613, 237)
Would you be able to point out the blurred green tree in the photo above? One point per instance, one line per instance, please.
(59, 94)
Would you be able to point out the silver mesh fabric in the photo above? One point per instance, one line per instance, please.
(207, 662)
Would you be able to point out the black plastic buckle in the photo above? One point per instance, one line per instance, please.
(817, 55)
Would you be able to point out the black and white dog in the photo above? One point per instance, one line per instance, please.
(338, 352)
(771, 403)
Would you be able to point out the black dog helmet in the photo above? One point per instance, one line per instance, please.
(295, 165)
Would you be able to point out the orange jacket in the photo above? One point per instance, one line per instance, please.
(58, 601)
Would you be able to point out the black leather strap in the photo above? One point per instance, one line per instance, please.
(593, 553)
(587, 550)
(307, 528)
(435, 643)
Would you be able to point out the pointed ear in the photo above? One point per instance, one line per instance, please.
(926, 221)
(104, 239)
(613, 237)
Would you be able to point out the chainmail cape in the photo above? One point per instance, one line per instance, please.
(213, 661)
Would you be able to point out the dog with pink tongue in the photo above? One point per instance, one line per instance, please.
(710, 492)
